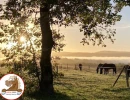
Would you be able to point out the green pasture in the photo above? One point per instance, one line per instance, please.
(85, 85)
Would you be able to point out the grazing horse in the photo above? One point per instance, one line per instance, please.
(106, 68)
(80, 67)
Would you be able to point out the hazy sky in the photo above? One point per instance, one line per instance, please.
(122, 43)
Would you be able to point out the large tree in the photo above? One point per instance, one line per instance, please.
(94, 17)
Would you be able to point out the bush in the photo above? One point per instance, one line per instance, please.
(1, 75)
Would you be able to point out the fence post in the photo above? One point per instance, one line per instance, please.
(57, 68)
(75, 67)
(89, 68)
(118, 76)
(67, 66)
(61, 66)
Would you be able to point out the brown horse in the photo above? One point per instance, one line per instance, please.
(13, 85)
(106, 68)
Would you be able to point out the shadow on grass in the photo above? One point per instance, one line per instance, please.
(113, 94)
(73, 78)
(69, 78)
(124, 93)
(117, 90)
(62, 84)
(78, 75)
(39, 96)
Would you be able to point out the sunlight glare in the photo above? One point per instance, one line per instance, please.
(22, 39)
(10, 45)
(31, 25)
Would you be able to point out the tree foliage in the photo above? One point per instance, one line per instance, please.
(22, 49)
(14, 48)
(95, 17)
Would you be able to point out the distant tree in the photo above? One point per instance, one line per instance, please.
(94, 17)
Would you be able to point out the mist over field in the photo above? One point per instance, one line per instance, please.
(95, 57)
(93, 54)
(124, 60)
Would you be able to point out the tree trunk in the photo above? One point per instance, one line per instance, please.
(46, 84)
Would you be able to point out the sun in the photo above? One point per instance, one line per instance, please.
(22, 39)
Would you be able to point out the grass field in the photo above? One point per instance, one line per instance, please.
(91, 86)
(84, 85)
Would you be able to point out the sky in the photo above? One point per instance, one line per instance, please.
(122, 42)
(73, 37)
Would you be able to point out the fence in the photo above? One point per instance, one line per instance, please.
(75, 67)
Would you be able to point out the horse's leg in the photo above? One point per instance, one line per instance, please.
(127, 78)
(104, 71)
(97, 70)
(101, 70)
(107, 71)
(113, 71)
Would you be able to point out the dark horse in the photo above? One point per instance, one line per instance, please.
(80, 67)
(106, 68)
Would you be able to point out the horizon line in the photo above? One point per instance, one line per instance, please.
(90, 52)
